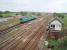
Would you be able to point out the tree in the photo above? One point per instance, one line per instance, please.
(1, 12)
(58, 15)
(7, 12)
(1, 15)
(23, 13)
(38, 14)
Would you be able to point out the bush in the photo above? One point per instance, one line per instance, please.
(59, 44)
(1, 15)
(55, 44)
(59, 15)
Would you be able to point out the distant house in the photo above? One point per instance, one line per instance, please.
(55, 27)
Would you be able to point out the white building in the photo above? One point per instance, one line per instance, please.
(55, 25)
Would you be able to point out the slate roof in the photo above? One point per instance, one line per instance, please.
(56, 18)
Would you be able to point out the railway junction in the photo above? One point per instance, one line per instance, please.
(27, 36)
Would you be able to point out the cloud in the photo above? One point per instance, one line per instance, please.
(34, 5)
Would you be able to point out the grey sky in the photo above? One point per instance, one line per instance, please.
(34, 5)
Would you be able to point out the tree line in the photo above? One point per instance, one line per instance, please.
(21, 13)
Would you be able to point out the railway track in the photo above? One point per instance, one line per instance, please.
(24, 40)
(22, 45)
(9, 29)
(12, 28)
(13, 38)
(12, 31)
(34, 41)
(29, 37)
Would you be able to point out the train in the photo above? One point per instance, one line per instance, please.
(27, 19)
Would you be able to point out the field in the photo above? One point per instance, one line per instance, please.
(7, 14)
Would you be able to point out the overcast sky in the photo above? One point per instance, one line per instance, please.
(34, 5)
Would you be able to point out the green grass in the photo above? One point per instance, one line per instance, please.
(65, 21)
(8, 14)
